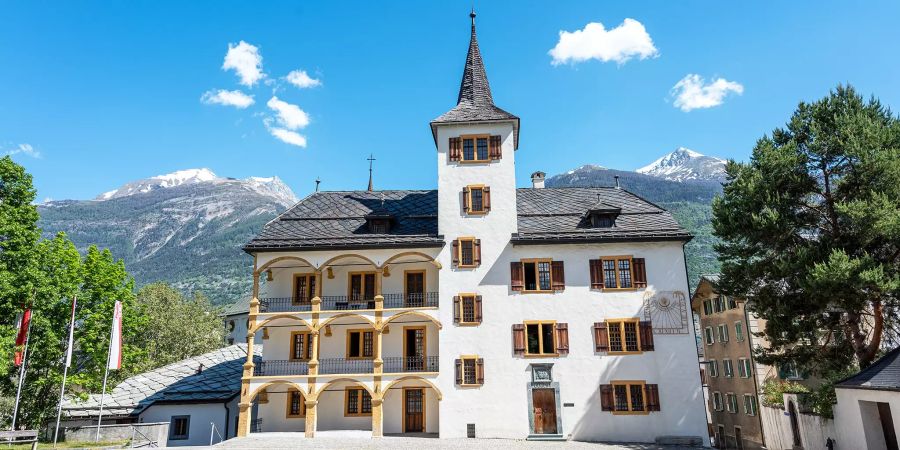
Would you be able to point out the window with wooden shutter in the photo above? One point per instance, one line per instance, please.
(541, 338)
(478, 317)
(454, 253)
(465, 199)
(596, 270)
(467, 308)
(619, 273)
(631, 397)
(562, 338)
(486, 193)
(474, 148)
(455, 149)
(640, 273)
(496, 151)
(624, 336)
(456, 309)
(518, 332)
(468, 252)
(479, 371)
(459, 371)
(516, 279)
(646, 328)
(606, 397)
(558, 276)
(477, 252)
(601, 338)
(475, 199)
(469, 370)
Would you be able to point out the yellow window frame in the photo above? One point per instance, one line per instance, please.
(312, 292)
(622, 322)
(362, 341)
(307, 348)
(290, 394)
(469, 189)
(362, 284)
(537, 275)
(616, 259)
(459, 251)
(628, 384)
(541, 324)
(474, 359)
(474, 138)
(359, 402)
(461, 309)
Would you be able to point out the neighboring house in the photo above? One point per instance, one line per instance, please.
(236, 318)
(476, 309)
(867, 413)
(191, 395)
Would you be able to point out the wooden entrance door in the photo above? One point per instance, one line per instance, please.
(414, 349)
(413, 410)
(738, 438)
(544, 411)
(415, 288)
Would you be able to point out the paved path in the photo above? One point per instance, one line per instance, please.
(351, 441)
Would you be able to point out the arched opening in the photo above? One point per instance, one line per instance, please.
(411, 407)
(278, 406)
(349, 282)
(280, 320)
(287, 284)
(410, 281)
(347, 345)
(344, 404)
(411, 344)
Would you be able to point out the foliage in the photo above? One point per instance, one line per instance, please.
(773, 391)
(810, 232)
(178, 327)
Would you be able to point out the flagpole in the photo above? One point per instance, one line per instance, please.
(21, 374)
(62, 390)
(105, 375)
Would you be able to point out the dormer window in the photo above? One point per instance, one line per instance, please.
(379, 221)
(603, 220)
(602, 215)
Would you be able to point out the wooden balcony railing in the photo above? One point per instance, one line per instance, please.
(397, 364)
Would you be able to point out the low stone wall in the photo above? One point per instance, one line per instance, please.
(142, 433)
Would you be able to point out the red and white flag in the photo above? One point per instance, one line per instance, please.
(71, 334)
(22, 322)
(115, 338)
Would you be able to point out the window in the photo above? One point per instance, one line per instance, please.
(739, 331)
(731, 402)
(603, 220)
(379, 226)
(720, 304)
(713, 368)
(476, 199)
(301, 345)
(629, 397)
(179, 428)
(304, 288)
(723, 333)
(467, 309)
(296, 404)
(468, 369)
(749, 405)
(707, 307)
(540, 338)
(360, 344)
(717, 401)
(623, 336)
(475, 148)
(709, 335)
(729, 301)
(728, 368)
(467, 252)
(617, 272)
(745, 368)
(537, 275)
(358, 402)
(789, 371)
(361, 286)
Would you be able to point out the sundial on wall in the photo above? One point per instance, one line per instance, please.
(667, 311)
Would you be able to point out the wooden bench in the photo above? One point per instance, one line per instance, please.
(20, 437)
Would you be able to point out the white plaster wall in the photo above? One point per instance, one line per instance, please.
(857, 421)
(202, 415)
(274, 412)
(239, 333)
(330, 411)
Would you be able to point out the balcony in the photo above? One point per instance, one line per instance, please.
(284, 304)
(281, 368)
(419, 300)
(348, 302)
(398, 364)
(334, 366)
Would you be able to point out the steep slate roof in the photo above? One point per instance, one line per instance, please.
(219, 381)
(883, 374)
(240, 306)
(336, 220)
(475, 102)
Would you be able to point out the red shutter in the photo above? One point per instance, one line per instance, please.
(465, 201)
(456, 309)
(486, 198)
(455, 253)
(459, 372)
(455, 148)
(562, 338)
(494, 148)
(646, 329)
(558, 275)
(640, 273)
(601, 338)
(476, 252)
(606, 397)
(518, 331)
(479, 371)
(596, 274)
(652, 397)
(478, 308)
(516, 277)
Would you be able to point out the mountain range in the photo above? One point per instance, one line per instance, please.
(187, 227)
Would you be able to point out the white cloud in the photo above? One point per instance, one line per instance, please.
(692, 92)
(244, 59)
(237, 99)
(289, 116)
(619, 44)
(288, 136)
(24, 149)
(301, 79)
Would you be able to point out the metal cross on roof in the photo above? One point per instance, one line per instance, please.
(370, 159)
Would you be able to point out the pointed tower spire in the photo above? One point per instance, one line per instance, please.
(370, 159)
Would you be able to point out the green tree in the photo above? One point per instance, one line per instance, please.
(178, 327)
(810, 233)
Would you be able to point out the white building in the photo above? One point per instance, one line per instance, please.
(476, 309)
(868, 406)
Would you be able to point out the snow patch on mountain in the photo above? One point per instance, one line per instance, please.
(685, 164)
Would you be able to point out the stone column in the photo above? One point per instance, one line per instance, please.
(379, 296)
(314, 358)
(244, 419)
(377, 418)
(378, 362)
(311, 419)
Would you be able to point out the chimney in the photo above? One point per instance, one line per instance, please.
(617, 182)
(537, 180)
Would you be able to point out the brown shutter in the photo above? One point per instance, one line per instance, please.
(456, 309)
(518, 331)
(465, 201)
(479, 371)
(562, 338)
(459, 372)
(646, 329)
(486, 198)
(601, 338)
(606, 397)
(478, 308)
(455, 148)
(494, 148)
(596, 274)
(652, 397)
(640, 273)
(476, 252)
(516, 277)
(557, 275)
(455, 253)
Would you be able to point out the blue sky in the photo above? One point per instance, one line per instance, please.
(95, 94)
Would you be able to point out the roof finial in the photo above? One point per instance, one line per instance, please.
(472, 15)
(370, 159)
